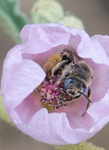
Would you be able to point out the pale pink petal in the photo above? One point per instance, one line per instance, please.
(103, 41)
(39, 37)
(100, 80)
(31, 104)
(89, 48)
(40, 58)
(24, 78)
(12, 59)
(100, 53)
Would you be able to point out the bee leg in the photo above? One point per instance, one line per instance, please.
(89, 101)
(63, 76)
(77, 97)
(89, 92)
(56, 67)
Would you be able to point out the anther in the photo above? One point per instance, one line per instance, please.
(55, 88)
(56, 96)
(63, 105)
(51, 100)
(45, 95)
(37, 90)
(55, 104)
(60, 96)
(62, 92)
(53, 94)
(43, 99)
(51, 80)
(49, 104)
(56, 107)
(64, 98)
(58, 101)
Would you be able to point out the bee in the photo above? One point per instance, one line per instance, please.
(73, 72)
(57, 62)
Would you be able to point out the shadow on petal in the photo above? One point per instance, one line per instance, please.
(100, 82)
(28, 107)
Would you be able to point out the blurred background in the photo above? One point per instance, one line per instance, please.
(95, 15)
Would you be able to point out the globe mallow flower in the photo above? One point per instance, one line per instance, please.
(24, 75)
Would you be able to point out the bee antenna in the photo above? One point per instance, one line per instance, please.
(85, 96)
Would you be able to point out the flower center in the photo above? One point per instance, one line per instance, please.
(52, 94)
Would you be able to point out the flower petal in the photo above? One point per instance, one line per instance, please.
(42, 37)
(24, 78)
(100, 50)
(31, 104)
(103, 41)
(12, 59)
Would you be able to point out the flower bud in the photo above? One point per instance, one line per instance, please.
(45, 11)
(72, 21)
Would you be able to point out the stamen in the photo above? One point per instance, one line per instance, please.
(50, 104)
(51, 80)
(43, 99)
(53, 95)
(37, 90)
(51, 100)
(55, 88)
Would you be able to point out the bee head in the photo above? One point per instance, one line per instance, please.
(74, 87)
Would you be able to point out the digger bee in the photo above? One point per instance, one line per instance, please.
(72, 74)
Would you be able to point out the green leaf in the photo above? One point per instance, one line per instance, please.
(80, 146)
(3, 115)
(12, 19)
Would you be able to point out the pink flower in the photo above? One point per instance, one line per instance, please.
(22, 73)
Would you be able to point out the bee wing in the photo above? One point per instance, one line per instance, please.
(76, 58)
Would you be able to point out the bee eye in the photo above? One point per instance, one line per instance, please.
(67, 82)
(91, 77)
(73, 81)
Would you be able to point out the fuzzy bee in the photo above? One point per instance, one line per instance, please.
(74, 73)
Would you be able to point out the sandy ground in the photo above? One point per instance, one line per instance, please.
(95, 15)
